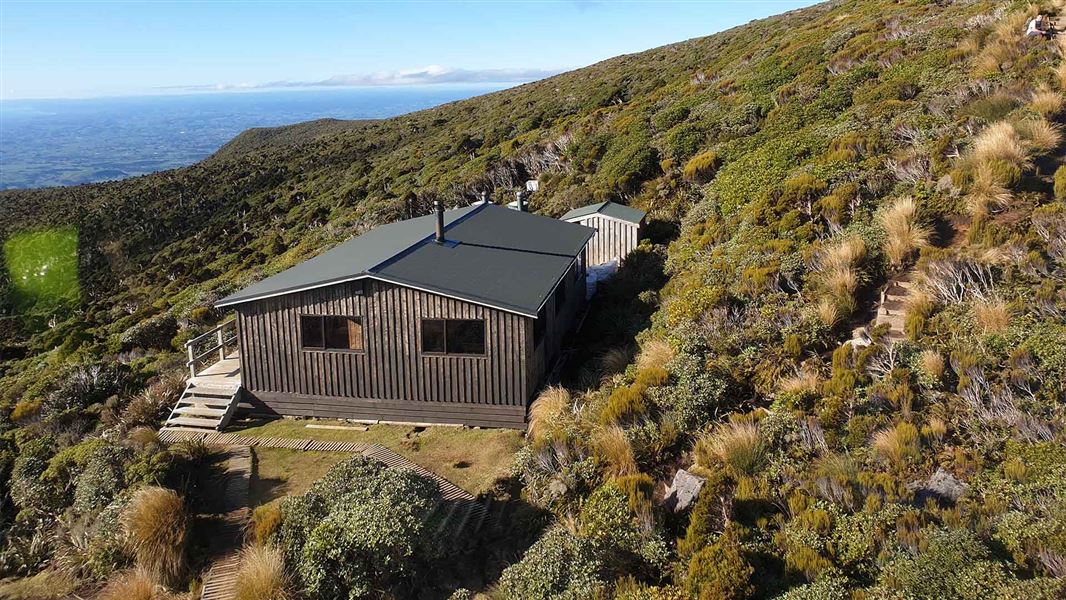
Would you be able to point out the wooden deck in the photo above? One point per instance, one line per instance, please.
(224, 374)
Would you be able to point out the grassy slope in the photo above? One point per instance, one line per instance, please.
(768, 147)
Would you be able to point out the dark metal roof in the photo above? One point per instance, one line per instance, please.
(607, 209)
(493, 256)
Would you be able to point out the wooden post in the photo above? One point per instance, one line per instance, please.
(192, 360)
(220, 336)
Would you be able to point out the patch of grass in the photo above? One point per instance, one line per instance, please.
(46, 585)
(262, 575)
(473, 459)
(43, 269)
(281, 472)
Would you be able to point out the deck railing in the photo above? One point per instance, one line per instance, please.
(211, 343)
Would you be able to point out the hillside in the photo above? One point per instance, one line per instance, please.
(807, 176)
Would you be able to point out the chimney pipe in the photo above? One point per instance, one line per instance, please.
(437, 208)
(520, 200)
(484, 197)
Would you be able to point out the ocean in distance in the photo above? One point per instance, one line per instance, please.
(67, 142)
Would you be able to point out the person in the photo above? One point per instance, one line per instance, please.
(1038, 26)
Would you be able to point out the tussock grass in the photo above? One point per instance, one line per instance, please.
(992, 316)
(904, 234)
(262, 575)
(614, 361)
(897, 444)
(613, 447)
(986, 194)
(135, 584)
(738, 446)
(937, 428)
(1060, 71)
(157, 531)
(800, 383)
(545, 412)
(655, 353)
(1000, 141)
(1041, 135)
(1047, 102)
(827, 312)
(931, 363)
(839, 279)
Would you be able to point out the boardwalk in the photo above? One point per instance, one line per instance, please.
(226, 540)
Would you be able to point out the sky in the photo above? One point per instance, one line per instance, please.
(52, 49)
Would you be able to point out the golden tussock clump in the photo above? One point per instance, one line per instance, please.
(992, 316)
(1047, 102)
(135, 584)
(836, 264)
(1040, 134)
(738, 446)
(612, 446)
(545, 412)
(1060, 71)
(931, 363)
(898, 444)
(905, 235)
(654, 353)
(614, 361)
(827, 312)
(157, 531)
(986, 194)
(937, 428)
(800, 383)
(262, 575)
(1000, 141)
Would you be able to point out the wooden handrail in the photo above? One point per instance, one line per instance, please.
(223, 334)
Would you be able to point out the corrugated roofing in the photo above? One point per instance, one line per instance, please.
(609, 209)
(494, 256)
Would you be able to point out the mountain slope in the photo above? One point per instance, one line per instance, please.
(793, 168)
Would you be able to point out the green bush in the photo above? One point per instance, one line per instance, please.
(559, 566)
(1060, 183)
(362, 527)
(720, 572)
(951, 563)
(624, 403)
(102, 479)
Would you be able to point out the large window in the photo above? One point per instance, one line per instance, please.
(453, 336)
(319, 332)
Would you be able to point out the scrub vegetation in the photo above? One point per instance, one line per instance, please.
(793, 169)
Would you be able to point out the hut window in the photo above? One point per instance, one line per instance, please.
(453, 336)
(331, 333)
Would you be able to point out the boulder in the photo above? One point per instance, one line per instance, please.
(683, 491)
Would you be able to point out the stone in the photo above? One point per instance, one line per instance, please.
(683, 491)
(943, 487)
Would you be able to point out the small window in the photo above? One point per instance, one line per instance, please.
(433, 336)
(311, 332)
(465, 336)
(319, 332)
(453, 336)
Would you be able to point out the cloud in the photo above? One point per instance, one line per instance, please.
(430, 75)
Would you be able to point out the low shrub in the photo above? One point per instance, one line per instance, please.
(266, 519)
(560, 565)
(624, 404)
(1060, 183)
(720, 572)
(651, 377)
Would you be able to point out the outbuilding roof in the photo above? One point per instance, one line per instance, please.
(607, 209)
(492, 256)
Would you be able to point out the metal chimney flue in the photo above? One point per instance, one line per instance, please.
(438, 208)
(520, 200)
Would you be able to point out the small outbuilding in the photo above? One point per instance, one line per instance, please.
(618, 228)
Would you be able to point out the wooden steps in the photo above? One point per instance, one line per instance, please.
(892, 310)
(204, 407)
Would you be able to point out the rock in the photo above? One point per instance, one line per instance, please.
(941, 486)
(683, 491)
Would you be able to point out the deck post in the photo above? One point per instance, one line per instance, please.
(220, 336)
(192, 360)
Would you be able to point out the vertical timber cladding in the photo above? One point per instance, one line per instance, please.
(614, 238)
(391, 379)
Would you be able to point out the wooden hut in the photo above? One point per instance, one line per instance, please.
(449, 318)
(617, 228)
